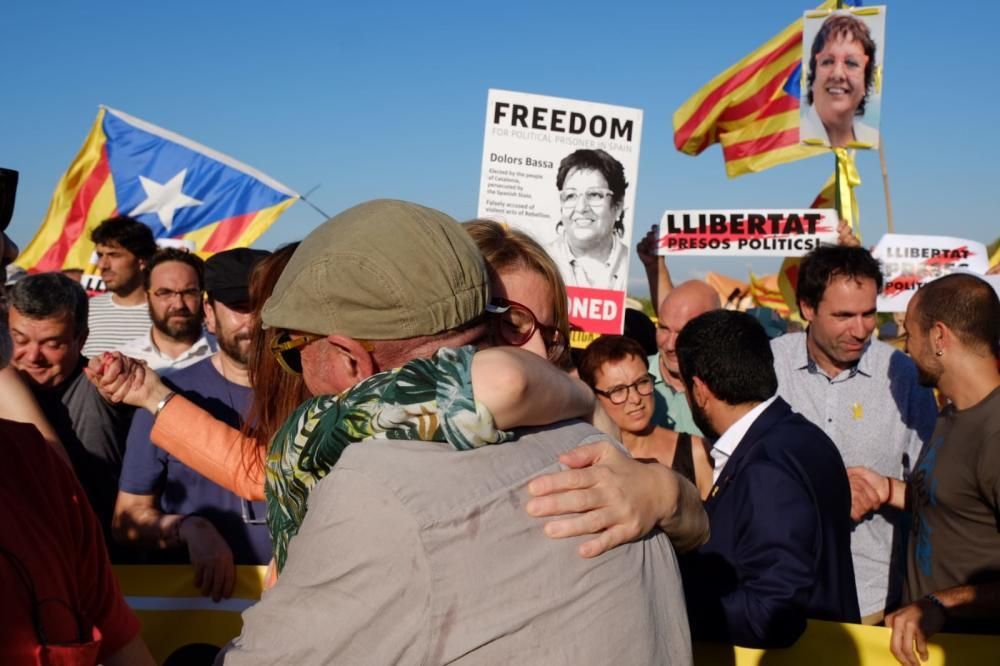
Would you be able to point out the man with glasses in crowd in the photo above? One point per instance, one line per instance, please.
(163, 503)
(589, 249)
(177, 339)
(413, 551)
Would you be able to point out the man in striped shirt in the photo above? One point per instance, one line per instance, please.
(124, 246)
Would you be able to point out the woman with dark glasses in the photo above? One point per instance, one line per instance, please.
(529, 296)
(616, 368)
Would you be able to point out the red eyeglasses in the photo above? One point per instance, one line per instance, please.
(514, 324)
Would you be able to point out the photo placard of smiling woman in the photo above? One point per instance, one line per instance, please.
(842, 60)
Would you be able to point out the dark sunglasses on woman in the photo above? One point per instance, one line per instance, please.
(514, 324)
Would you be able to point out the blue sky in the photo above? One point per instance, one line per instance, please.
(388, 100)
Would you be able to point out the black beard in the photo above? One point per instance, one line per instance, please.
(925, 378)
(188, 329)
(231, 348)
(701, 420)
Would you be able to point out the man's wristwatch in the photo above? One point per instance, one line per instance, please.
(937, 602)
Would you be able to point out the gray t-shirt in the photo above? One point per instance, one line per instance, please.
(414, 553)
(878, 416)
(954, 494)
(94, 434)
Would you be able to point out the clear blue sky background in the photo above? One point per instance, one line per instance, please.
(388, 100)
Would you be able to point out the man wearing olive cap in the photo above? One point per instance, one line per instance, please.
(415, 551)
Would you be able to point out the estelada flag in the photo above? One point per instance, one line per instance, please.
(752, 108)
(177, 187)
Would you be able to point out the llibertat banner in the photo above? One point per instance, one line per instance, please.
(564, 172)
(909, 262)
(746, 233)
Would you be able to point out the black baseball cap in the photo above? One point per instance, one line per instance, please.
(227, 275)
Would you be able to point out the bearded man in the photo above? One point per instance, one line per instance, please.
(164, 505)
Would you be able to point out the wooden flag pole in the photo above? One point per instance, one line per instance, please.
(885, 185)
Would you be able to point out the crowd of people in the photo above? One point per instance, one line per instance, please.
(510, 501)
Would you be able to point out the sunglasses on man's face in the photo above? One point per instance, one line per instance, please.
(514, 324)
(286, 350)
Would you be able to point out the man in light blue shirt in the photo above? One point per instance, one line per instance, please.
(864, 394)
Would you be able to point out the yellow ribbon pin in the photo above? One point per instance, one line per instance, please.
(857, 412)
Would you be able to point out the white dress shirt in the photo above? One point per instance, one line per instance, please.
(724, 447)
(144, 349)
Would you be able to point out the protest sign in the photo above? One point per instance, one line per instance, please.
(564, 172)
(908, 262)
(841, 89)
(746, 233)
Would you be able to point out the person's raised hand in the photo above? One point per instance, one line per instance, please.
(120, 378)
(646, 248)
(846, 236)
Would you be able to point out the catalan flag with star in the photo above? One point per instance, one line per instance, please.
(177, 187)
(752, 108)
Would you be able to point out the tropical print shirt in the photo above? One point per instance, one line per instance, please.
(426, 399)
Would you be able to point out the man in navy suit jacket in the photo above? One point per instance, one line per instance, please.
(779, 510)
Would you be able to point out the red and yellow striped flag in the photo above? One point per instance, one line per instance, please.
(752, 108)
(766, 293)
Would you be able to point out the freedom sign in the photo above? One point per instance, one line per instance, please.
(746, 233)
(909, 262)
(564, 172)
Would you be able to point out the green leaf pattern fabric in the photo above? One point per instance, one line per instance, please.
(426, 399)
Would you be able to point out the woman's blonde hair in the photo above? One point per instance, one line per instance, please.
(504, 248)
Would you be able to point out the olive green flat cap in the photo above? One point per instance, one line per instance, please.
(382, 270)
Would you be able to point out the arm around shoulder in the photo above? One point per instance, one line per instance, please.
(684, 519)
(522, 389)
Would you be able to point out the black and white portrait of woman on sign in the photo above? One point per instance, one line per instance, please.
(589, 247)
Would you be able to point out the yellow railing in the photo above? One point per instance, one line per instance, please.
(174, 614)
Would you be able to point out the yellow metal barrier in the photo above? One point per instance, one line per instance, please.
(832, 644)
(175, 615)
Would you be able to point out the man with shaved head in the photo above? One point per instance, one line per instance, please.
(953, 493)
(681, 305)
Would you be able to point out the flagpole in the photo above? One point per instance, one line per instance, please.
(310, 203)
(837, 203)
(885, 185)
